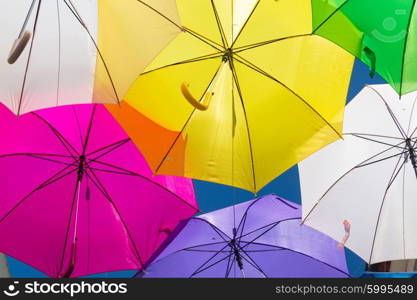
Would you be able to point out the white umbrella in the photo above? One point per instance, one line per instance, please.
(58, 52)
(368, 180)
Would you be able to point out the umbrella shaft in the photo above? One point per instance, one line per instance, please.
(27, 18)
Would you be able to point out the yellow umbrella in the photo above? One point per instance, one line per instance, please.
(243, 93)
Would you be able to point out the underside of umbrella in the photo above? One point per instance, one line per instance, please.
(77, 196)
(259, 238)
(384, 39)
(238, 87)
(369, 178)
(74, 51)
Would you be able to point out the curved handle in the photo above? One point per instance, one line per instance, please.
(18, 46)
(372, 58)
(342, 243)
(203, 105)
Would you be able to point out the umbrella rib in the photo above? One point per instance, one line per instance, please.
(203, 266)
(77, 16)
(235, 78)
(183, 28)
(344, 175)
(219, 25)
(390, 182)
(217, 230)
(252, 262)
(382, 159)
(303, 254)
(244, 218)
(264, 43)
(406, 40)
(415, 129)
(202, 245)
(67, 145)
(246, 22)
(78, 124)
(96, 181)
(262, 72)
(29, 57)
(38, 157)
(90, 125)
(229, 266)
(186, 61)
(369, 139)
(185, 125)
(391, 113)
(374, 135)
(57, 176)
(330, 16)
(131, 173)
(109, 148)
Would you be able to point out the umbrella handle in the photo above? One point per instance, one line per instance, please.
(345, 238)
(203, 105)
(372, 58)
(18, 46)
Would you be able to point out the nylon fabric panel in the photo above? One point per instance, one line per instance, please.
(304, 64)
(275, 19)
(130, 36)
(284, 131)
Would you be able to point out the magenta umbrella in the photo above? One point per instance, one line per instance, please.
(78, 198)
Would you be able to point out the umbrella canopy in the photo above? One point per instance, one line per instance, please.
(368, 180)
(258, 238)
(383, 34)
(76, 51)
(244, 92)
(78, 198)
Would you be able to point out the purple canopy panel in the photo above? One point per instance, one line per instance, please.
(78, 197)
(259, 238)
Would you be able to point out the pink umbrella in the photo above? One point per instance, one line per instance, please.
(78, 198)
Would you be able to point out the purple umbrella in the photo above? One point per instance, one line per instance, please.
(259, 238)
(78, 198)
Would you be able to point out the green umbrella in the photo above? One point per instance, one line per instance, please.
(381, 33)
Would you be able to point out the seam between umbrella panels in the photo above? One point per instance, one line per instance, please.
(219, 25)
(77, 16)
(187, 61)
(390, 112)
(344, 175)
(406, 45)
(52, 179)
(330, 16)
(96, 181)
(131, 173)
(197, 35)
(390, 182)
(246, 22)
(67, 145)
(262, 72)
(234, 73)
(242, 222)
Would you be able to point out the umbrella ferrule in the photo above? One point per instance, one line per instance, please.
(227, 56)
